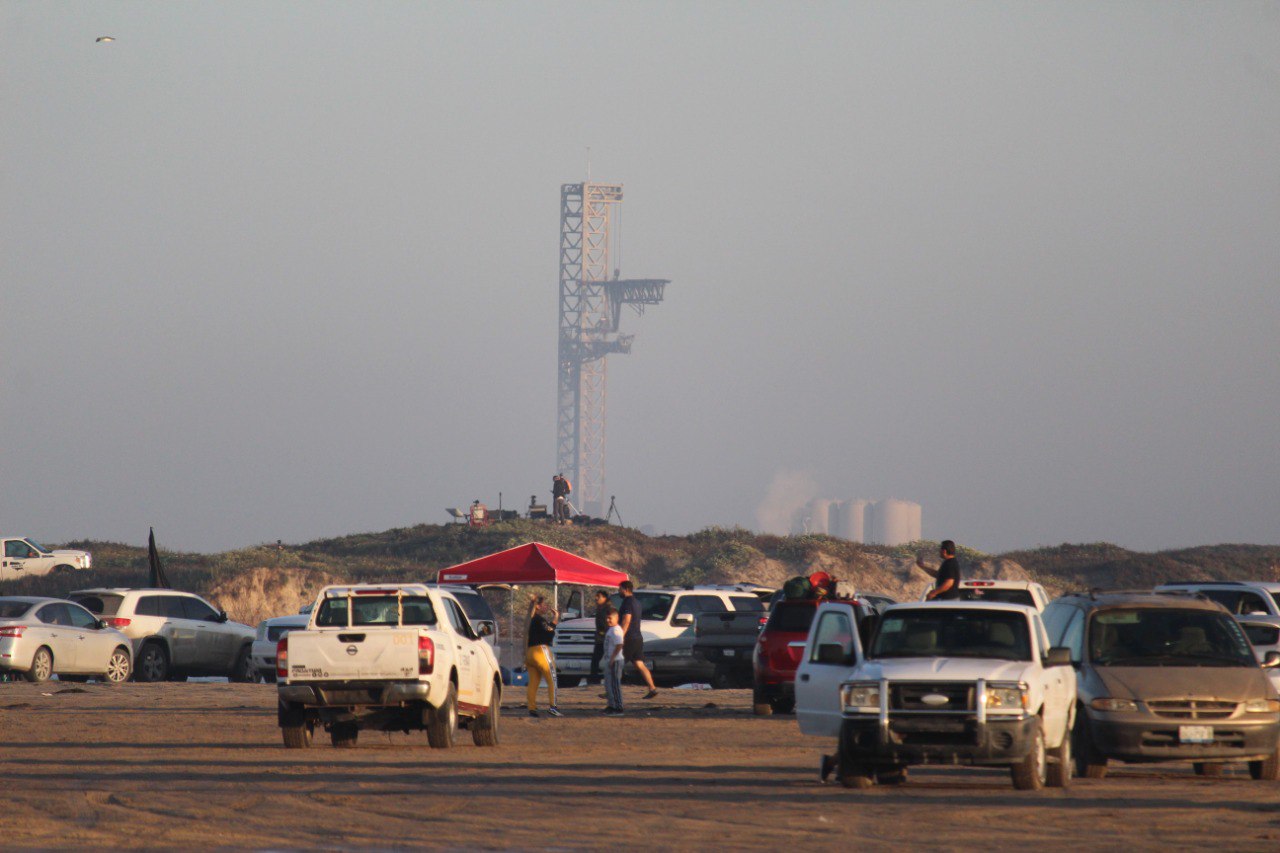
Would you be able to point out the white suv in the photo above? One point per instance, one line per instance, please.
(174, 634)
(1027, 593)
(1240, 598)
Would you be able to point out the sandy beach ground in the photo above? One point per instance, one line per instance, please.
(202, 765)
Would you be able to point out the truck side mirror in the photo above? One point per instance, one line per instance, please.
(683, 620)
(485, 628)
(1058, 656)
(1270, 660)
(222, 616)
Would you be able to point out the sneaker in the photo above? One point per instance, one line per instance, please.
(613, 712)
(554, 711)
(651, 693)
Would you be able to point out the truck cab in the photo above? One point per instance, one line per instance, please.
(950, 682)
(23, 557)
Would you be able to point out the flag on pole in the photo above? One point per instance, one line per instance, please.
(158, 579)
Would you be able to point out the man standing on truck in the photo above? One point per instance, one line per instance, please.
(629, 618)
(947, 576)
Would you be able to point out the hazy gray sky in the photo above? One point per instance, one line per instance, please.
(289, 270)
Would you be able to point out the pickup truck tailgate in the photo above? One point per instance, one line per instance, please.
(331, 654)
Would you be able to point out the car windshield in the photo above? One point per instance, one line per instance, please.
(792, 617)
(10, 609)
(653, 605)
(1003, 596)
(34, 544)
(953, 633)
(1165, 636)
(375, 610)
(103, 605)
(474, 605)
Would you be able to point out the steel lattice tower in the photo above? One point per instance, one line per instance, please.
(591, 301)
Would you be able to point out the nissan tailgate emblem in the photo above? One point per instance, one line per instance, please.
(351, 650)
(934, 699)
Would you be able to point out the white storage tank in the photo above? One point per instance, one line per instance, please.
(818, 516)
(852, 516)
(915, 532)
(896, 519)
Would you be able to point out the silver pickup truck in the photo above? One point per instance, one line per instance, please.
(390, 657)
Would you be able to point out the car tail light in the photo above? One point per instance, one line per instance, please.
(118, 622)
(14, 631)
(426, 655)
(282, 658)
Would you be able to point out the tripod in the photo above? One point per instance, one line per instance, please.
(613, 510)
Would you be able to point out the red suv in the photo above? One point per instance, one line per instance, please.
(780, 646)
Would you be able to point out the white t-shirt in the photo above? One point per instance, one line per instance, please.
(612, 639)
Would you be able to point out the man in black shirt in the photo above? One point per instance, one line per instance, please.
(947, 576)
(630, 615)
(602, 625)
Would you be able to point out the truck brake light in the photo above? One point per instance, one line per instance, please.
(282, 657)
(118, 622)
(426, 656)
(14, 631)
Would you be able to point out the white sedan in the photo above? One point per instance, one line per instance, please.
(43, 637)
(263, 655)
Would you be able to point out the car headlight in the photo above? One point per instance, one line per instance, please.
(861, 696)
(1013, 698)
(1109, 703)
(1262, 706)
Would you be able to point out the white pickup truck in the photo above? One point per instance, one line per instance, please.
(26, 558)
(941, 683)
(392, 657)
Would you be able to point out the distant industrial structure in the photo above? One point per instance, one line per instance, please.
(885, 522)
(592, 293)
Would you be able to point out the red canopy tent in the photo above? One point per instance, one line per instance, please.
(532, 563)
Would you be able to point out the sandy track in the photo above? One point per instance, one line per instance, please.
(176, 765)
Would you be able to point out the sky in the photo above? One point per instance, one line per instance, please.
(289, 270)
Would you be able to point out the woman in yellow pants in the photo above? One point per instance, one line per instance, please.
(537, 657)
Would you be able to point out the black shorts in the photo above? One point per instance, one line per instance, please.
(632, 648)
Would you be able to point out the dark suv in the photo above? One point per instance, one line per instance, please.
(1165, 677)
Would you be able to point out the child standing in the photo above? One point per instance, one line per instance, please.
(613, 664)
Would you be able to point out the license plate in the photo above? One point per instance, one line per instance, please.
(1195, 734)
(730, 652)
(575, 664)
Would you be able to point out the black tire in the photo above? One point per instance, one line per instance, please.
(62, 569)
(1268, 769)
(243, 671)
(153, 664)
(296, 730)
(484, 729)
(41, 666)
(344, 735)
(1205, 769)
(855, 775)
(722, 678)
(783, 704)
(1029, 774)
(1061, 767)
(1090, 762)
(760, 705)
(442, 723)
(119, 667)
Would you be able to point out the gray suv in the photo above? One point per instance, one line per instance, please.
(174, 634)
(1165, 677)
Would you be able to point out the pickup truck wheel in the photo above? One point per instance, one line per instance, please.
(243, 671)
(892, 776)
(444, 721)
(1029, 773)
(1204, 769)
(153, 664)
(297, 734)
(1090, 763)
(484, 729)
(1267, 770)
(1061, 768)
(783, 704)
(760, 703)
(41, 665)
(119, 667)
(344, 735)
